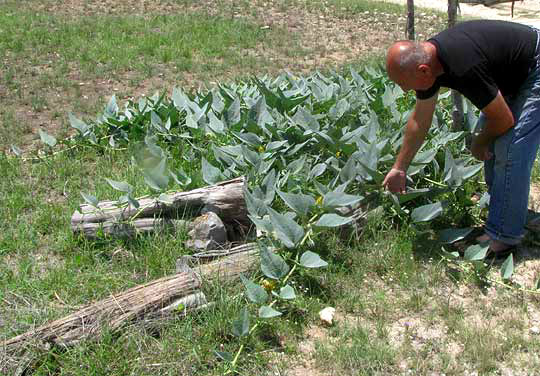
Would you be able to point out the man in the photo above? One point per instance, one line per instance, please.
(495, 64)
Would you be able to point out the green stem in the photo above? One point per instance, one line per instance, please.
(435, 182)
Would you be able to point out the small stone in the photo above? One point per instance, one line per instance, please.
(327, 315)
(535, 330)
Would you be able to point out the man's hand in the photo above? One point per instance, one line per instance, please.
(395, 181)
(480, 149)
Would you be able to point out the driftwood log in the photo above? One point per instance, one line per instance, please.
(226, 199)
(148, 302)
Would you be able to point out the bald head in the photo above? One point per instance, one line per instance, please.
(403, 57)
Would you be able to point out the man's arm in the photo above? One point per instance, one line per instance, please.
(416, 130)
(499, 119)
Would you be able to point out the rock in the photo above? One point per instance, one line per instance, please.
(207, 232)
(535, 330)
(327, 315)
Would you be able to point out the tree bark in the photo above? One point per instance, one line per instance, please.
(226, 199)
(410, 20)
(149, 302)
(144, 301)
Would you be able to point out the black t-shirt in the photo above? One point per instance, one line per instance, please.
(481, 57)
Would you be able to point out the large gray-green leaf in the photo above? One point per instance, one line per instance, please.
(312, 260)
(451, 235)
(507, 268)
(79, 125)
(255, 205)
(412, 194)
(272, 265)
(121, 186)
(156, 177)
(240, 326)
(476, 252)
(90, 199)
(298, 202)
(427, 212)
(267, 312)
(332, 220)
(287, 292)
(338, 199)
(211, 174)
(349, 171)
(288, 231)
(256, 293)
(47, 139)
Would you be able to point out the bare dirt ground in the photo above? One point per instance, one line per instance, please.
(326, 38)
(525, 11)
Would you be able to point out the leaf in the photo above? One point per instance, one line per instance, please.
(256, 293)
(215, 124)
(298, 202)
(267, 312)
(312, 260)
(451, 235)
(507, 268)
(47, 139)
(224, 355)
(476, 252)
(156, 178)
(272, 265)
(240, 326)
(337, 199)
(537, 285)
(16, 150)
(332, 220)
(427, 212)
(211, 174)
(412, 194)
(112, 108)
(255, 205)
(317, 170)
(121, 186)
(233, 112)
(78, 124)
(288, 231)
(89, 199)
(287, 293)
(349, 171)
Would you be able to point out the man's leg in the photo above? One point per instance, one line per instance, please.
(514, 155)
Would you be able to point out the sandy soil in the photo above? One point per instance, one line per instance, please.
(525, 11)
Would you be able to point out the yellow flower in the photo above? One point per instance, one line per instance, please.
(338, 153)
(319, 200)
(269, 285)
(261, 149)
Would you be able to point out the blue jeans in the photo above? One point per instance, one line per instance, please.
(508, 172)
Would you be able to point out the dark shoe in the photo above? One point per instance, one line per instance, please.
(496, 256)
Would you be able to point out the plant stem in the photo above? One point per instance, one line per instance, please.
(435, 182)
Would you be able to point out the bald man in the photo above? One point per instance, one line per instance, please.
(495, 64)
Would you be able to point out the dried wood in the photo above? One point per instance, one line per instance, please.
(141, 302)
(129, 229)
(146, 303)
(225, 198)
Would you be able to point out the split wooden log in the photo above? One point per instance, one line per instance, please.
(130, 229)
(140, 302)
(148, 302)
(226, 199)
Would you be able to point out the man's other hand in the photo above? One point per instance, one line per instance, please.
(395, 181)
(480, 150)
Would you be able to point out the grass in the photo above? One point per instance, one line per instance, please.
(384, 276)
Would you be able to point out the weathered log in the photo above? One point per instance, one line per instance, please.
(148, 302)
(92, 230)
(225, 198)
(140, 302)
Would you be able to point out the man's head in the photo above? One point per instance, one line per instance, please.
(410, 65)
